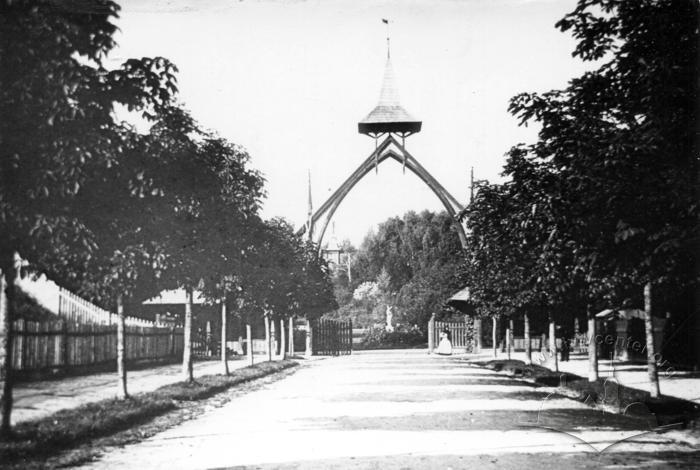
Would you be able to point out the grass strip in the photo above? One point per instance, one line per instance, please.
(36, 440)
(605, 393)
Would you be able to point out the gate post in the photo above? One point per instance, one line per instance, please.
(309, 339)
(431, 334)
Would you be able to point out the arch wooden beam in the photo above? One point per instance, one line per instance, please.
(322, 217)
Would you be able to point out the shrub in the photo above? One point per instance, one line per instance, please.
(400, 338)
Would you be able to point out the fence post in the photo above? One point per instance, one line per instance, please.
(21, 338)
(172, 341)
(477, 334)
(64, 343)
(93, 333)
(431, 334)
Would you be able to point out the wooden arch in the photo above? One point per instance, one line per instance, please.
(316, 227)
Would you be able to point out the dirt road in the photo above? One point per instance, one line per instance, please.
(405, 409)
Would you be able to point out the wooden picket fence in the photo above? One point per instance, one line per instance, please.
(64, 345)
(75, 309)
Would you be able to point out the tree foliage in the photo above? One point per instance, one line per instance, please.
(290, 278)
(113, 213)
(58, 126)
(606, 199)
(414, 262)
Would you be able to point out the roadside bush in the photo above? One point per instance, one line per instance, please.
(400, 338)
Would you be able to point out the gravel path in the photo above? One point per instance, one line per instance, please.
(405, 409)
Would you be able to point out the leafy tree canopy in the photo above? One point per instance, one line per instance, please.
(414, 262)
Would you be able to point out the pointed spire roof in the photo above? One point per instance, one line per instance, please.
(389, 115)
(332, 244)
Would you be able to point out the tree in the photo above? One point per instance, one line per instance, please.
(208, 214)
(622, 139)
(420, 254)
(290, 278)
(57, 131)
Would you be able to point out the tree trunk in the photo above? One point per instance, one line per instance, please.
(654, 390)
(592, 345)
(494, 335)
(526, 334)
(291, 336)
(122, 391)
(187, 372)
(477, 334)
(431, 334)
(7, 314)
(249, 343)
(509, 329)
(553, 342)
(274, 342)
(224, 326)
(283, 343)
(268, 338)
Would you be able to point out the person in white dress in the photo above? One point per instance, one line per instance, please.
(445, 345)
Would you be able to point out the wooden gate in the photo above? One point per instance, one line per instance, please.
(331, 337)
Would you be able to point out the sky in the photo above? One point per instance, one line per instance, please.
(289, 80)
